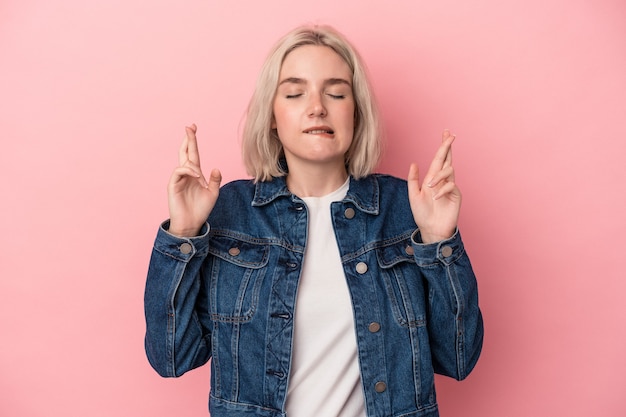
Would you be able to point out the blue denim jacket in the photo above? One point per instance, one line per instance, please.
(229, 294)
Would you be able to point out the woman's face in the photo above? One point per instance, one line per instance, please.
(314, 107)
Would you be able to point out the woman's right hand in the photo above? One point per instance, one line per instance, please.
(190, 196)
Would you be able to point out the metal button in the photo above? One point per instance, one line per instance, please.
(234, 251)
(409, 250)
(374, 327)
(349, 213)
(446, 251)
(380, 387)
(185, 248)
(361, 267)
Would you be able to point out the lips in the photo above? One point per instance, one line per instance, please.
(319, 130)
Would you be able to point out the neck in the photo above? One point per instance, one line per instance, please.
(316, 181)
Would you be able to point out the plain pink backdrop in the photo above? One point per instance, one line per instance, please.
(93, 100)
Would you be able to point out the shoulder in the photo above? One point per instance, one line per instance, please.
(391, 188)
(393, 194)
(235, 193)
(389, 180)
(240, 184)
(390, 202)
(379, 192)
(239, 189)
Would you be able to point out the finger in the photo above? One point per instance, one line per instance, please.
(182, 152)
(183, 172)
(448, 188)
(446, 139)
(448, 160)
(413, 179)
(441, 155)
(192, 144)
(446, 173)
(215, 179)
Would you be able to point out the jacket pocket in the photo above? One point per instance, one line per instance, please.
(403, 283)
(236, 274)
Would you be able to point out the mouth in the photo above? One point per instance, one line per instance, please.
(321, 130)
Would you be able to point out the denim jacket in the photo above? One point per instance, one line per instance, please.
(229, 295)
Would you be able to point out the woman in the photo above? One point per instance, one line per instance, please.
(317, 288)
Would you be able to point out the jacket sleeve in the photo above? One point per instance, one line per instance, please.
(176, 340)
(455, 324)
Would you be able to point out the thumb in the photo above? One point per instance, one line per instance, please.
(215, 179)
(413, 179)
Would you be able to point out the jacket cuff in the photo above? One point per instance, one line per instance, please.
(446, 251)
(182, 248)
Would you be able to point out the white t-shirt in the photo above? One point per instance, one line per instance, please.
(325, 379)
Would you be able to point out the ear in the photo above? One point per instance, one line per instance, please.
(273, 125)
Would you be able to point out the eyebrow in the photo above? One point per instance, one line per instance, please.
(330, 81)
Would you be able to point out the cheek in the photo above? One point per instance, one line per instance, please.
(278, 117)
(350, 118)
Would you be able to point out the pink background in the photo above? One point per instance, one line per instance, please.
(93, 100)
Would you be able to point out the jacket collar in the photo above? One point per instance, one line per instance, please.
(363, 193)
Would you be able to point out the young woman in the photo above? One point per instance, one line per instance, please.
(316, 288)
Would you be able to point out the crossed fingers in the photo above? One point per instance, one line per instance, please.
(189, 156)
(441, 173)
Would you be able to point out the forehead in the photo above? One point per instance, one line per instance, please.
(314, 61)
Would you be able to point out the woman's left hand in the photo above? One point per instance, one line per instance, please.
(436, 203)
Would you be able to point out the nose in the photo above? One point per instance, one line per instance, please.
(316, 107)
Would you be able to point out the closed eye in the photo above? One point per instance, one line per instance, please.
(293, 95)
(337, 96)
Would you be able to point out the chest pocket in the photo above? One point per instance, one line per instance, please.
(403, 283)
(236, 275)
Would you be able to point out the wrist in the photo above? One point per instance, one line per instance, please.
(433, 238)
(182, 231)
(430, 237)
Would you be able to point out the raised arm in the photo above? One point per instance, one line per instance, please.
(177, 337)
(455, 322)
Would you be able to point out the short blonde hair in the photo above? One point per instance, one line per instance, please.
(261, 148)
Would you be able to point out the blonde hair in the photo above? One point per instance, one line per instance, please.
(261, 148)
